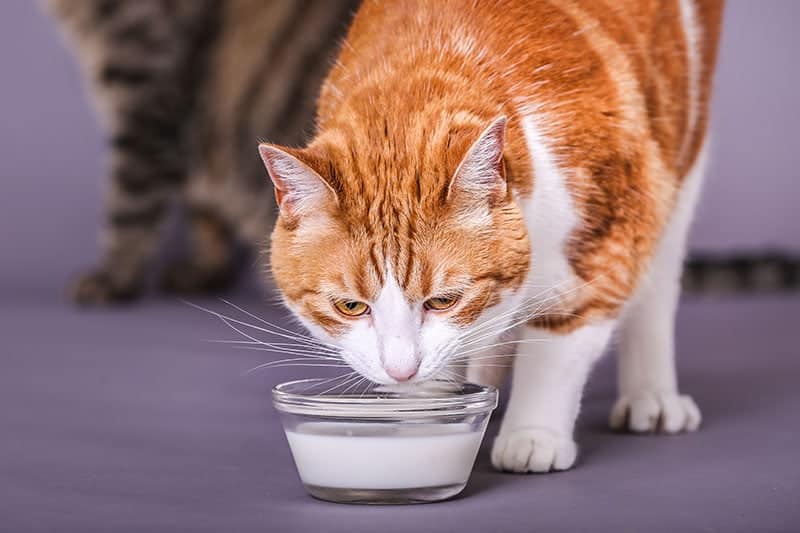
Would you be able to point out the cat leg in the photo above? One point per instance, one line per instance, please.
(144, 174)
(649, 400)
(648, 387)
(134, 60)
(128, 243)
(210, 265)
(548, 377)
(142, 185)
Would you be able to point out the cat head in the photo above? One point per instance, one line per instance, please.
(393, 252)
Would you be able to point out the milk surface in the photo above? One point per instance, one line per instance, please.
(383, 456)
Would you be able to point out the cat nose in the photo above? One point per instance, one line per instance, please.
(401, 372)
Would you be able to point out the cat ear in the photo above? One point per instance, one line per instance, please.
(299, 189)
(482, 172)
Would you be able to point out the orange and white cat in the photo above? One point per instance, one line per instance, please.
(484, 167)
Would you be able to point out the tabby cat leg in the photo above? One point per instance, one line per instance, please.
(536, 434)
(129, 241)
(648, 387)
(137, 62)
(147, 169)
(146, 172)
(210, 263)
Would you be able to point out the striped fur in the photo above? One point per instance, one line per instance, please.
(185, 89)
(622, 102)
(771, 271)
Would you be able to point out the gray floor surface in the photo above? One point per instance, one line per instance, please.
(128, 420)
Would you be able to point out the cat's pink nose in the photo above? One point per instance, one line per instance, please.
(401, 373)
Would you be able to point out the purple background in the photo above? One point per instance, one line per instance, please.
(51, 166)
(126, 421)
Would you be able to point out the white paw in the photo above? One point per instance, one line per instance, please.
(533, 450)
(655, 412)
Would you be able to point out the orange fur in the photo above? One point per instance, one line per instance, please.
(417, 82)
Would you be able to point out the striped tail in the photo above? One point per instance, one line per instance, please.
(770, 271)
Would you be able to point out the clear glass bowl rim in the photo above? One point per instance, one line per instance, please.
(479, 399)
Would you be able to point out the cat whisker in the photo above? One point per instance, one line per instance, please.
(275, 326)
(442, 361)
(293, 363)
(274, 343)
(493, 356)
(541, 297)
(329, 380)
(307, 355)
(522, 315)
(230, 320)
(354, 386)
(277, 345)
(366, 388)
(257, 341)
(448, 376)
(496, 344)
(288, 360)
(342, 384)
(526, 317)
(531, 300)
(498, 365)
(266, 346)
(512, 325)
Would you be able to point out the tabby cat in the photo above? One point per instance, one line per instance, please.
(492, 166)
(186, 88)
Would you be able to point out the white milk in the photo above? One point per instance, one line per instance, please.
(383, 456)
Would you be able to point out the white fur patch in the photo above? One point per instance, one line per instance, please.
(396, 324)
(550, 213)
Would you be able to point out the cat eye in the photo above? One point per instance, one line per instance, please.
(441, 303)
(351, 308)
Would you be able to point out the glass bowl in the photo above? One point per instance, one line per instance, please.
(381, 444)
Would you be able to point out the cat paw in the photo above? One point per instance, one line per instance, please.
(98, 288)
(655, 413)
(533, 450)
(189, 279)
